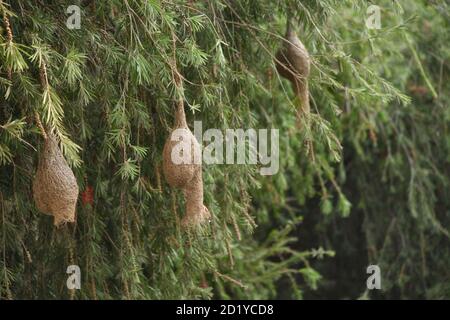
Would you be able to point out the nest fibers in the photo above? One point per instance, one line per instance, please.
(293, 63)
(55, 189)
(185, 176)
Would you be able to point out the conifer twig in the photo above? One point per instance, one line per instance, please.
(224, 276)
(43, 75)
(421, 69)
(177, 78)
(9, 37)
(40, 126)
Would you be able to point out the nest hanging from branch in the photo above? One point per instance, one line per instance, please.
(185, 175)
(293, 63)
(55, 189)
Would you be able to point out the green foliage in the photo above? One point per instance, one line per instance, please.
(374, 152)
(396, 166)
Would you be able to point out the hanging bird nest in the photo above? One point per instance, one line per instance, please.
(185, 175)
(293, 63)
(55, 189)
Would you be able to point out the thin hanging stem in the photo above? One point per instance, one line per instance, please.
(421, 69)
(180, 116)
(9, 37)
(40, 126)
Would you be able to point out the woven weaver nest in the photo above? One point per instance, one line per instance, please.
(293, 63)
(55, 189)
(188, 175)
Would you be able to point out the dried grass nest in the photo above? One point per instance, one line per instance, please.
(294, 63)
(55, 188)
(186, 176)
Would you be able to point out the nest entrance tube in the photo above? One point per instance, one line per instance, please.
(55, 188)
